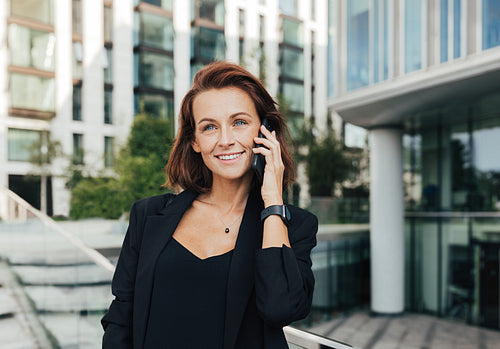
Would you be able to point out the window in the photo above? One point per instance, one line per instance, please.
(109, 155)
(78, 152)
(209, 44)
(32, 92)
(107, 63)
(108, 106)
(40, 10)
(241, 14)
(413, 35)
(288, 7)
(292, 63)
(294, 95)
(155, 104)
(154, 70)
(154, 31)
(77, 60)
(358, 48)
(444, 30)
(164, 4)
(491, 23)
(211, 10)
(77, 102)
(108, 24)
(292, 32)
(77, 17)
(20, 143)
(456, 28)
(31, 48)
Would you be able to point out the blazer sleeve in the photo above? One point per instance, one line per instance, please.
(117, 322)
(284, 281)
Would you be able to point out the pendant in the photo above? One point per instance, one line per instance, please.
(226, 230)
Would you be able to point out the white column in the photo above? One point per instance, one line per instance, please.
(4, 93)
(61, 124)
(182, 53)
(386, 221)
(93, 83)
(123, 69)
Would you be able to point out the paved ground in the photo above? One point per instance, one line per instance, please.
(409, 331)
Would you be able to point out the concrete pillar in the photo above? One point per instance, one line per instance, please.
(182, 65)
(4, 94)
(386, 221)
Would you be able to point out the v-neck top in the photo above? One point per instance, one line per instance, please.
(188, 302)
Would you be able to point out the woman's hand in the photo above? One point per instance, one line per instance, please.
(272, 183)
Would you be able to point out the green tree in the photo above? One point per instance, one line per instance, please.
(139, 170)
(326, 165)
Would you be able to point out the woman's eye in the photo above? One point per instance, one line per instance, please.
(208, 128)
(240, 122)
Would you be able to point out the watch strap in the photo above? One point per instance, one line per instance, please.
(279, 210)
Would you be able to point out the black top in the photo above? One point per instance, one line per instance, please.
(188, 301)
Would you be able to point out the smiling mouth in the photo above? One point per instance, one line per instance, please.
(229, 157)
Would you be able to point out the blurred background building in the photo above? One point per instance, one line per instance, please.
(423, 78)
(76, 72)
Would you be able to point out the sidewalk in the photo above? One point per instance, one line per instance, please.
(409, 331)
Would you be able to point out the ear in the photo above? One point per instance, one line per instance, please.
(195, 146)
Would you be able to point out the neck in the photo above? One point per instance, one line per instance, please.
(230, 195)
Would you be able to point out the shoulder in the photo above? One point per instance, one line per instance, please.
(152, 205)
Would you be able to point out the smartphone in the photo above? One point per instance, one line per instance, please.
(259, 160)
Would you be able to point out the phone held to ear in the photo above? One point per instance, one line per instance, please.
(259, 160)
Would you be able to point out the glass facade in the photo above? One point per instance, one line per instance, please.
(457, 13)
(358, 50)
(294, 95)
(491, 23)
(77, 17)
(109, 155)
(77, 60)
(77, 102)
(208, 44)
(107, 63)
(164, 4)
(154, 70)
(32, 92)
(292, 32)
(443, 29)
(40, 10)
(78, 149)
(288, 7)
(292, 63)
(108, 106)
(156, 104)
(452, 196)
(154, 31)
(31, 48)
(108, 24)
(19, 143)
(413, 35)
(211, 10)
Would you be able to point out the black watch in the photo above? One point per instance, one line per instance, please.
(279, 210)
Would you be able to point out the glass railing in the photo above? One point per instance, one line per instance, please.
(452, 265)
(54, 288)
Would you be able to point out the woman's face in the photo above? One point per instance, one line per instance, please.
(226, 123)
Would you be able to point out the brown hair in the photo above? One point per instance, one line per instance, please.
(185, 167)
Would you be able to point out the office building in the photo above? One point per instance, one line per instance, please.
(422, 77)
(76, 72)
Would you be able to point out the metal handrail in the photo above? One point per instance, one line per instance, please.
(308, 340)
(95, 256)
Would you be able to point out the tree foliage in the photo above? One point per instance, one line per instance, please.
(139, 170)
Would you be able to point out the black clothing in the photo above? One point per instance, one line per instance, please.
(188, 301)
(266, 288)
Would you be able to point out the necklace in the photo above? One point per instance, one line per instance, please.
(227, 227)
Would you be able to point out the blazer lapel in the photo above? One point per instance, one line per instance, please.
(241, 272)
(157, 233)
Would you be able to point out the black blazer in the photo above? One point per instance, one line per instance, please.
(267, 288)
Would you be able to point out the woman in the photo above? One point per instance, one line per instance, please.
(223, 264)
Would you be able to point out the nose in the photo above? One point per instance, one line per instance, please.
(226, 137)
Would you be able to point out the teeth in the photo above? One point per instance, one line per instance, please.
(229, 157)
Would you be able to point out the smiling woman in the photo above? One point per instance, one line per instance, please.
(225, 256)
